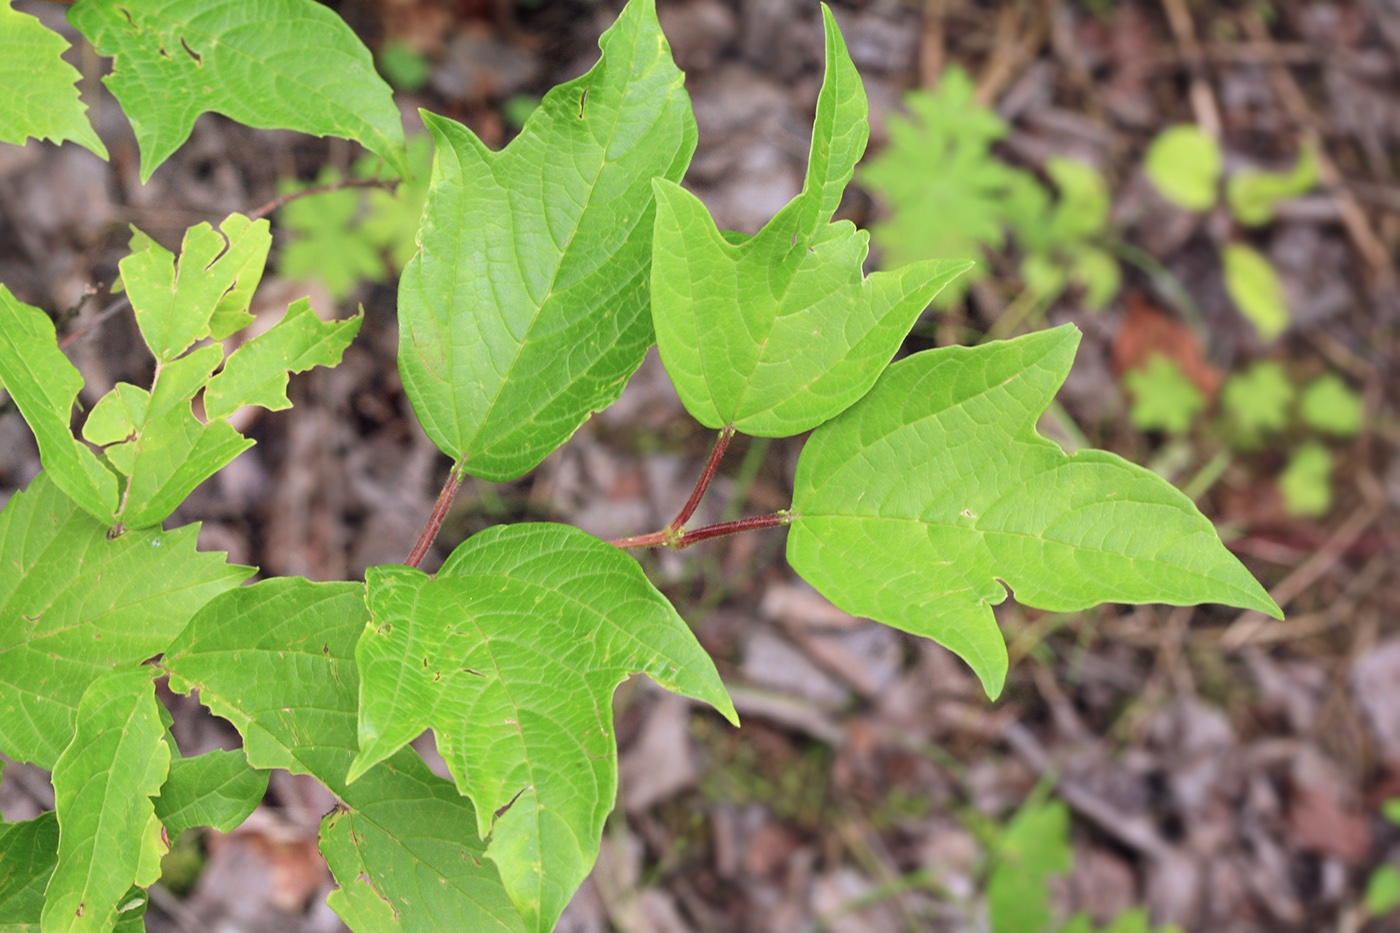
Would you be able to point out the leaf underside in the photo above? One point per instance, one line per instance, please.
(512, 654)
(525, 309)
(216, 789)
(782, 331)
(920, 498)
(403, 845)
(40, 100)
(275, 64)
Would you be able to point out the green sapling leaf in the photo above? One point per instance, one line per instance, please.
(511, 653)
(206, 294)
(1306, 482)
(74, 605)
(913, 505)
(403, 845)
(44, 386)
(256, 373)
(40, 99)
(277, 64)
(28, 852)
(1253, 195)
(216, 789)
(1164, 398)
(103, 782)
(1255, 287)
(525, 309)
(948, 193)
(1257, 402)
(1184, 163)
(781, 332)
(1329, 405)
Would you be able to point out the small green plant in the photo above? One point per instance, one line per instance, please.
(1382, 894)
(1258, 405)
(542, 275)
(949, 195)
(1030, 851)
(1185, 164)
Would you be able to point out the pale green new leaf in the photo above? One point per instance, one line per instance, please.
(28, 853)
(1255, 287)
(918, 502)
(206, 293)
(1253, 195)
(276, 660)
(215, 789)
(275, 64)
(778, 333)
(511, 654)
(40, 99)
(103, 782)
(1184, 163)
(44, 386)
(525, 309)
(75, 605)
(256, 373)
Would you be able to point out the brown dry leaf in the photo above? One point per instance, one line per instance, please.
(1148, 331)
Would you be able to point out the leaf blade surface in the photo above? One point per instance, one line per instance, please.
(404, 849)
(277, 64)
(41, 100)
(525, 308)
(780, 332)
(921, 497)
(512, 654)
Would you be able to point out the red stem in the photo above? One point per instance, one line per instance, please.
(684, 539)
(434, 525)
(284, 199)
(703, 483)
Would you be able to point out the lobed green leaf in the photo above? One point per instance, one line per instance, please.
(780, 332)
(109, 837)
(256, 373)
(276, 659)
(216, 789)
(75, 606)
(44, 386)
(276, 64)
(914, 505)
(512, 654)
(28, 853)
(40, 100)
(525, 309)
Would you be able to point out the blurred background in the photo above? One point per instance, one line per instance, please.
(1207, 189)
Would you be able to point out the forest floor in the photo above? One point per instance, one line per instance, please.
(1226, 771)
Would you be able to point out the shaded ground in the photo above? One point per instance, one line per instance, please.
(1223, 769)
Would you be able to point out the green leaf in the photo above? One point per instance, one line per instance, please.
(1184, 162)
(1255, 287)
(74, 605)
(40, 100)
(277, 64)
(782, 332)
(276, 660)
(1164, 399)
(1383, 890)
(1306, 482)
(948, 194)
(511, 654)
(1253, 194)
(1082, 209)
(1033, 849)
(256, 374)
(911, 507)
(44, 386)
(1098, 273)
(526, 307)
(103, 782)
(216, 789)
(1329, 405)
(1257, 400)
(28, 853)
(206, 294)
